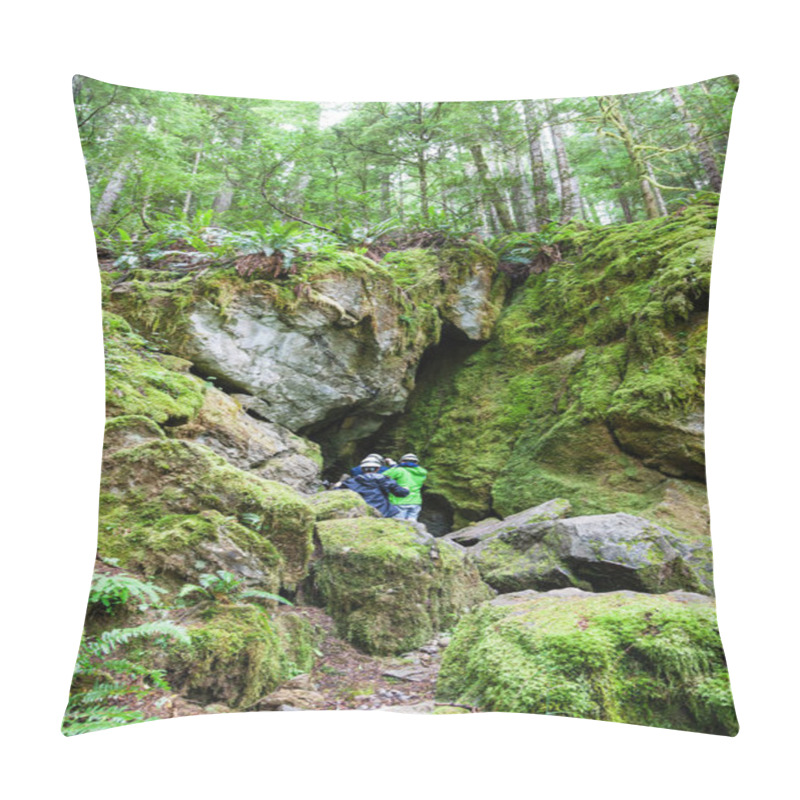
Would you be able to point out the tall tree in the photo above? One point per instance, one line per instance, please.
(538, 169)
(705, 153)
(612, 115)
(570, 193)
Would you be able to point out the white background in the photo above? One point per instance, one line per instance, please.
(53, 386)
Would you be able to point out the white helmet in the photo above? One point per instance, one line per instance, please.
(410, 457)
(371, 462)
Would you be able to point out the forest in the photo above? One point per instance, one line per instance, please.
(348, 173)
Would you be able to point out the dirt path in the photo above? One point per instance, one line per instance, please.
(346, 678)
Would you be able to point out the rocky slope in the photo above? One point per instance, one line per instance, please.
(227, 397)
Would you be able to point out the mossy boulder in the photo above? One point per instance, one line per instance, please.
(387, 591)
(340, 504)
(238, 654)
(598, 553)
(266, 449)
(346, 332)
(127, 431)
(177, 508)
(143, 382)
(622, 656)
(674, 445)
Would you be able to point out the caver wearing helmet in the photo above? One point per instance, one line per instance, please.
(377, 489)
(409, 474)
(372, 458)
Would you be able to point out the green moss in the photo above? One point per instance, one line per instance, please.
(340, 504)
(644, 659)
(239, 654)
(166, 496)
(385, 591)
(139, 383)
(609, 340)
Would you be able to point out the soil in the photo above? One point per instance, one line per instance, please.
(348, 678)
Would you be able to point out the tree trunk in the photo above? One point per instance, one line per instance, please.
(538, 174)
(662, 206)
(422, 169)
(491, 190)
(570, 196)
(386, 196)
(612, 114)
(517, 195)
(110, 194)
(703, 150)
(624, 204)
(188, 201)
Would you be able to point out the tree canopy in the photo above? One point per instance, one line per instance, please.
(156, 158)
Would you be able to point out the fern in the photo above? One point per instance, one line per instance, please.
(112, 591)
(112, 680)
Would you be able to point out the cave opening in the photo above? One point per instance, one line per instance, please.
(356, 432)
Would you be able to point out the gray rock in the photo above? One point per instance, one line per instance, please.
(342, 359)
(267, 449)
(601, 553)
(414, 674)
(517, 524)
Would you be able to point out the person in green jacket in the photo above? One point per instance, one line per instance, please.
(410, 475)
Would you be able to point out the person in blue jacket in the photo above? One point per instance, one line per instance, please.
(374, 487)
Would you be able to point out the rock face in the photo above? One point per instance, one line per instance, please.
(387, 592)
(343, 351)
(601, 553)
(266, 449)
(516, 523)
(621, 656)
(673, 445)
(177, 509)
(590, 386)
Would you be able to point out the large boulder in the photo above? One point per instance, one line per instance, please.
(342, 350)
(493, 528)
(674, 445)
(389, 588)
(266, 449)
(601, 553)
(238, 654)
(622, 656)
(178, 509)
